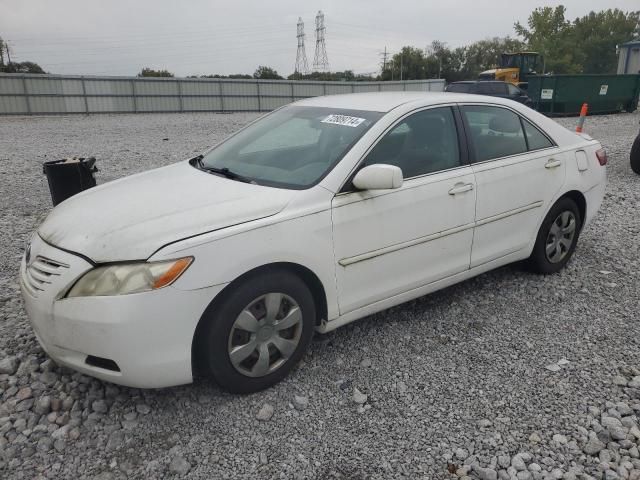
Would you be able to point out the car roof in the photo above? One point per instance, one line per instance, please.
(476, 81)
(387, 101)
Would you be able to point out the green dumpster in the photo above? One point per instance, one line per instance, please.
(565, 94)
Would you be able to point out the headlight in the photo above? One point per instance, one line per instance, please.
(128, 278)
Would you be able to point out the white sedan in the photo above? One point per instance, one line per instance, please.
(317, 214)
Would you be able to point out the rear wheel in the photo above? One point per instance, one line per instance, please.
(258, 333)
(634, 156)
(557, 237)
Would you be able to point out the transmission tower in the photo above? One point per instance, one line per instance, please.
(320, 60)
(301, 57)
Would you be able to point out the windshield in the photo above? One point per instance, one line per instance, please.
(293, 147)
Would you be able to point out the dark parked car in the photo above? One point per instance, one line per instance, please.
(634, 156)
(491, 88)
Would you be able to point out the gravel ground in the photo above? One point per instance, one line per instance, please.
(508, 375)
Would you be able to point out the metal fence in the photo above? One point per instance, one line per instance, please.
(56, 94)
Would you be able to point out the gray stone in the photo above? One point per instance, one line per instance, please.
(618, 433)
(610, 475)
(593, 446)
(610, 422)
(43, 405)
(116, 439)
(365, 363)
(485, 473)
(461, 453)
(61, 433)
(23, 393)
(557, 473)
(45, 444)
(620, 381)
(179, 466)
(300, 402)
(24, 405)
(8, 365)
(359, 397)
(634, 382)
(143, 408)
(265, 413)
(100, 406)
(518, 462)
(561, 439)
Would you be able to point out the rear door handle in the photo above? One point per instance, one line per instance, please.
(552, 163)
(461, 188)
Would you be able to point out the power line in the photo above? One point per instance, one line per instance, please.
(320, 60)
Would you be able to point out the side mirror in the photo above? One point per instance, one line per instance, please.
(378, 177)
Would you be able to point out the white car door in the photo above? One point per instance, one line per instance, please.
(518, 172)
(387, 242)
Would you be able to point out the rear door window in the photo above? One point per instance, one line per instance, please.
(495, 132)
(459, 88)
(492, 88)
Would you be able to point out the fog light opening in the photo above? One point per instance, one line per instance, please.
(103, 363)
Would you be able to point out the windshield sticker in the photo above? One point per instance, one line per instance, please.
(345, 120)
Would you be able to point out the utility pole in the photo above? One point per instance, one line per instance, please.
(6, 46)
(384, 59)
(1, 53)
(401, 62)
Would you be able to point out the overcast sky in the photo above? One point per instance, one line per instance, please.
(119, 37)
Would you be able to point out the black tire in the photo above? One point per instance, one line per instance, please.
(218, 320)
(539, 261)
(634, 156)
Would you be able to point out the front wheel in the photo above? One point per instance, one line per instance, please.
(258, 333)
(634, 156)
(557, 238)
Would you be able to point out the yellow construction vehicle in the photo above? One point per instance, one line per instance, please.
(514, 68)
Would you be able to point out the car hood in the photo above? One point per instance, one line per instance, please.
(131, 218)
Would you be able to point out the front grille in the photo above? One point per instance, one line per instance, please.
(41, 273)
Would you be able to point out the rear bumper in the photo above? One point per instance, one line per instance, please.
(148, 335)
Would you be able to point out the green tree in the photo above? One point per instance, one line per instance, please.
(551, 34)
(266, 73)
(485, 54)
(149, 72)
(21, 67)
(596, 35)
(409, 64)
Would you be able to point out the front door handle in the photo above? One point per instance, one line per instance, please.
(461, 188)
(552, 163)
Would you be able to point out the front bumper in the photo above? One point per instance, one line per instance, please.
(148, 335)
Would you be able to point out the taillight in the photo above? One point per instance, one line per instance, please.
(602, 156)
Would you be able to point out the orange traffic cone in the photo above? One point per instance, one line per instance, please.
(583, 115)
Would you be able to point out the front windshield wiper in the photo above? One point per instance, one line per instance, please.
(225, 172)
